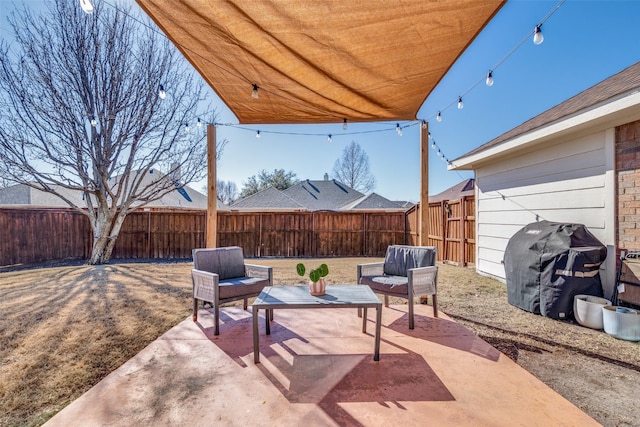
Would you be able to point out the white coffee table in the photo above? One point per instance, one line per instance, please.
(298, 297)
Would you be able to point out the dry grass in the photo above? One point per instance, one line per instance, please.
(65, 328)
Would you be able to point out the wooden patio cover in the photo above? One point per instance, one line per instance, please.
(321, 61)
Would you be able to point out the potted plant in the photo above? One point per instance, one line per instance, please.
(317, 284)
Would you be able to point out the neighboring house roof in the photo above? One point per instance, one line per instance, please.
(405, 204)
(325, 194)
(620, 89)
(330, 195)
(270, 199)
(21, 194)
(464, 188)
(373, 201)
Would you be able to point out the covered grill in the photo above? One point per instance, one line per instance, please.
(547, 264)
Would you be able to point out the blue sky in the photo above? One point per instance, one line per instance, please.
(585, 42)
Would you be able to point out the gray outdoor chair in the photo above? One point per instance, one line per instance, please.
(407, 272)
(220, 275)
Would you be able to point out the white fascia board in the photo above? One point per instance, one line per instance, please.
(608, 114)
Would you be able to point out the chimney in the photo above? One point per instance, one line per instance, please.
(175, 172)
(326, 177)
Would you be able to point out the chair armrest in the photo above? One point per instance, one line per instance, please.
(370, 269)
(261, 271)
(423, 280)
(205, 285)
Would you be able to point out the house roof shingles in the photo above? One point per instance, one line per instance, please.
(21, 194)
(374, 201)
(322, 194)
(270, 198)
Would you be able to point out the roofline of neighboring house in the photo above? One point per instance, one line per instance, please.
(613, 112)
(256, 210)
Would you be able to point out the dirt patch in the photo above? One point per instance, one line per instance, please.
(64, 328)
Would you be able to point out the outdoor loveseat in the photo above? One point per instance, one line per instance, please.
(220, 275)
(407, 272)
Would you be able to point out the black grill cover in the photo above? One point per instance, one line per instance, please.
(546, 264)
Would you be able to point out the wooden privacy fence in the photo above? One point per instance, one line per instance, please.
(452, 229)
(41, 235)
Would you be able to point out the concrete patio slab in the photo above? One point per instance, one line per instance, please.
(317, 369)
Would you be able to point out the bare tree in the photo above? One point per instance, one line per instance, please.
(227, 191)
(278, 179)
(353, 169)
(80, 113)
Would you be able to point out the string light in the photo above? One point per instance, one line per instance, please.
(199, 124)
(186, 127)
(345, 126)
(329, 139)
(161, 93)
(254, 92)
(398, 129)
(94, 122)
(538, 38)
(86, 6)
(439, 117)
(258, 134)
(424, 125)
(489, 81)
(460, 104)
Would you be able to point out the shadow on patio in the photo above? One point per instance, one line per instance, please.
(317, 368)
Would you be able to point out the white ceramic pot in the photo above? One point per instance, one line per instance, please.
(587, 309)
(621, 322)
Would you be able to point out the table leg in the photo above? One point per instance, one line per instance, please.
(376, 351)
(256, 345)
(364, 320)
(268, 315)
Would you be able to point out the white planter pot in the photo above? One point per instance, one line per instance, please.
(621, 322)
(587, 309)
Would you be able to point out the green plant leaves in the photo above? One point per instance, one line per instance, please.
(324, 270)
(300, 269)
(315, 275)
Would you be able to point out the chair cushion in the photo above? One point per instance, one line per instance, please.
(241, 286)
(400, 258)
(226, 262)
(392, 284)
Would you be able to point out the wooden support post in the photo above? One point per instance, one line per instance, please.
(463, 241)
(424, 185)
(212, 203)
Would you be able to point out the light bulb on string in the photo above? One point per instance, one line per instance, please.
(258, 134)
(199, 124)
(329, 138)
(398, 129)
(433, 145)
(424, 126)
(489, 80)
(460, 104)
(161, 93)
(254, 92)
(86, 6)
(345, 126)
(439, 117)
(538, 38)
(94, 122)
(439, 153)
(186, 127)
